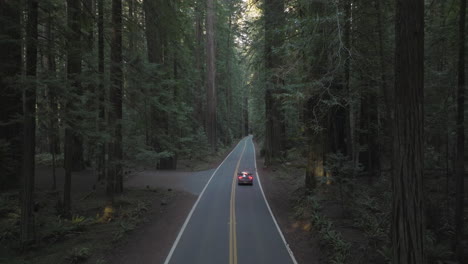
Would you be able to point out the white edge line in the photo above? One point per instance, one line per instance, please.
(271, 212)
(182, 229)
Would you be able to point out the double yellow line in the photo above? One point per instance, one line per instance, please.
(232, 220)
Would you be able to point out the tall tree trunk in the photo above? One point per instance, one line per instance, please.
(115, 177)
(74, 63)
(313, 110)
(211, 96)
(53, 127)
(101, 92)
(385, 93)
(88, 20)
(199, 94)
(132, 28)
(29, 137)
(228, 135)
(88, 24)
(275, 129)
(73, 157)
(349, 121)
(11, 97)
(245, 120)
(408, 137)
(460, 170)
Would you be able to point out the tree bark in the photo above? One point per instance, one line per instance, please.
(211, 97)
(245, 120)
(53, 126)
(408, 137)
(460, 170)
(385, 93)
(101, 92)
(275, 135)
(29, 137)
(11, 97)
(228, 135)
(350, 145)
(314, 110)
(73, 145)
(199, 58)
(115, 176)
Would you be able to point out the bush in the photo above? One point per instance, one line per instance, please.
(77, 255)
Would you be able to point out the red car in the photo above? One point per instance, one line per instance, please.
(244, 178)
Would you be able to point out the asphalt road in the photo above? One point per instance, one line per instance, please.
(230, 223)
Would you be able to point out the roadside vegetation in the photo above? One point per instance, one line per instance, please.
(352, 219)
(93, 227)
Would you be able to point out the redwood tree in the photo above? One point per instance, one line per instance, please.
(10, 99)
(29, 136)
(72, 141)
(114, 178)
(460, 163)
(408, 138)
(275, 129)
(210, 75)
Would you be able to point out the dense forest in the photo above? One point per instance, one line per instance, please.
(365, 98)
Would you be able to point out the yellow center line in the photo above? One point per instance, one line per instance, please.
(232, 221)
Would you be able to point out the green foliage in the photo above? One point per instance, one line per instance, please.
(78, 255)
(9, 217)
(435, 250)
(130, 217)
(338, 248)
(46, 159)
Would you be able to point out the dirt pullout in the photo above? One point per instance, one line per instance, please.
(192, 182)
(151, 242)
(279, 189)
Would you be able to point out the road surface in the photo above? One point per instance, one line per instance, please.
(229, 223)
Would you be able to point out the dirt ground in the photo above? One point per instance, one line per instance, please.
(151, 241)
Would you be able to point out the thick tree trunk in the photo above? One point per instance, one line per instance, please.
(90, 68)
(314, 111)
(275, 135)
(199, 55)
(228, 135)
(11, 97)
(245, 111)
(386, 95)
(74, 63)
(73, 145)
(211, 97)
(88, 25)
(101, 93)
(408, 137)
(369, 157)
(53, 126)
(29, 137)
(115, 176)
(460, 170)
(347, 69)
(132, 28)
